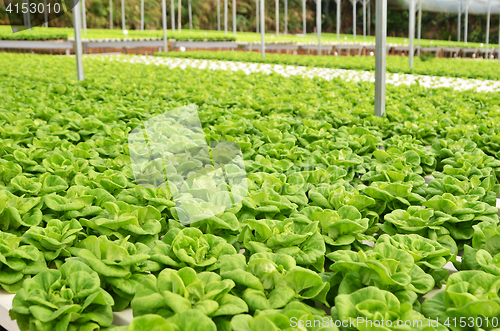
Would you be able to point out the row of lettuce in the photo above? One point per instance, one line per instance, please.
(338, 224)
(460, 68)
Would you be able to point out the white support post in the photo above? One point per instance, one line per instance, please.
(218, 15)
(28, 16)
(286, 16)
(225, 16)
(354, 18)
(179, 15)
(364, 19)
(411, 32)
(318, 24)
(338, 19)
(111, 14)
(84, 17)
(123, 16)
(190, 12)
(78, 39)
(304, 17)
(45, 14)
(459, 20)
(369, 18)
(466, 26)
(172, 12)
(262, 29)
(234, 17)
(277, 18)
(164, 22)
(419, 33)
(488, 31)
(257, 11)
(142, 15)
(380, 54)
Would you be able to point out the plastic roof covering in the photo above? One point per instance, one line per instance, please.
(476, 7)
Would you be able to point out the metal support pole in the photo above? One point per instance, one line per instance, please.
(466, 26)
(304, 17)
(123, 15)
(277, 18)
(84, 17)
(318, 24)
(488, 31)
(338, 19)
(234, 17)
(262, 29)
(225, 16)
(286, 16)
(179, 15)
(369, 18)
(28, 16)
(142, 15)
(354, 18)
(78, 39)
(499, 41)
(411, 33)
(45, 14)
(111, 14)
(380, 54)
(218, 15)
(164, 22)
(364, 19)
(257, 10)
(419, 25)
(190, 12)
(459, 20)
(172, 11)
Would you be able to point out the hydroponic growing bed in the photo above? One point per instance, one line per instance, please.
(334, 221)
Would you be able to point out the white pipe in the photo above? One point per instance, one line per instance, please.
(111, 14)
(419, 24)
(179, 16)
(218, 15)
(45, 13)
(277, 18)
(459, 20)
(123, 16)
(364, 19)
(354, 18)
(338, 19)
(164, 21)
(318, 24)
(84, 17)
(257, 20)
(172, 11)
(411, 33)
(304, 17)
(262, 29)
(78, 39)
(225, 16)
(142, 15)
(488, 31)
(286, 16)
(190, 10)
(234, 17)
(380, 55)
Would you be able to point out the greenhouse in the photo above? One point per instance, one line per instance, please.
(245, 165)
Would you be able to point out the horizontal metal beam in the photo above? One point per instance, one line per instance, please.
(37, 44)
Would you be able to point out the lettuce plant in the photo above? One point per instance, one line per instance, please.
(19, 213)
(386, 267)
(371, 304)
(121, 265)
(17, 262)
(470, 295)
(270, 281)
(69, 298)
(54, 238)
(174, 292)
(190, 320)
(294, 315)
(300, 240)
(428, 254)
